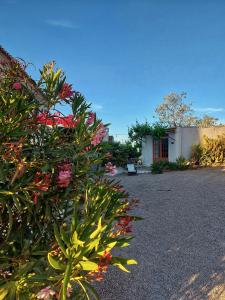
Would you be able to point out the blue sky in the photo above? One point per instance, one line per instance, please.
(125, 55)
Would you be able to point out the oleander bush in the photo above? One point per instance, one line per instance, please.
(60, 218)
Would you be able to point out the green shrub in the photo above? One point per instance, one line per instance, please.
(181, 163)
(159, 166)
(119, 153)
(196, 152)
(60, 219)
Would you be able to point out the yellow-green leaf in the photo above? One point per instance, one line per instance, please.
(57, 74)
(121, 267)
(88, 265)
(131, 262)
(3, 293)
(93, 244)
(76, 241)
(108, 248)
(98, 230)
(55, 263)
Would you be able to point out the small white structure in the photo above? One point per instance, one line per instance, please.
(177, 142)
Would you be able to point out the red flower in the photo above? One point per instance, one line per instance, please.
(125, 225)
(42, 181)
(68, 121)
(66, 91)
(17, 86)
(46, 119)
(36, 198)
(56, 119)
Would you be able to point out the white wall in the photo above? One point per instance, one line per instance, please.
(172, 147)
(180, 142)
(188, 136)
(147, 154)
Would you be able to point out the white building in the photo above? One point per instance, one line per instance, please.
(177, 142)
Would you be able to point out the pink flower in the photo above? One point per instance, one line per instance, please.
(102, 131)
(64, 179)
(17, 86)
(100, 134)
(69, 292)
(96, 140)
(46, 293)
(110, 168)
(91, 118)
(65, 174)
(66, 91)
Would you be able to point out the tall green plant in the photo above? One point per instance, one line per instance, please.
(59, 218)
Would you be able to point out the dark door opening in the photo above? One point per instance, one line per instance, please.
(160, 149)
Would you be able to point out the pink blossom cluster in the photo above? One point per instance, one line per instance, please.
(65, 175)
(57, 119)
(91, 118)
(46, 293)
(17, 86)
(100, 134)
(66, 91)
(110, 168)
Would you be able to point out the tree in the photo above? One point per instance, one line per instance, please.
(206, 121)
(138, 132)
(173, 112)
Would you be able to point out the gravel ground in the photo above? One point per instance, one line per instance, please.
(180, 245)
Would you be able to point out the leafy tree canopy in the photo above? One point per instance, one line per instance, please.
(139, 131)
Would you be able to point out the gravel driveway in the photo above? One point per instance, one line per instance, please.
(180, 245)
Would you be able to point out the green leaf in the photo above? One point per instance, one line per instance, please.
(93, 244)
(121, 267)
(57, 74)
(76, 242)
(55, 263)
(88, 265)
(99, 229)
(84, 289)
(108, 248)
(120, 262)
(91, 289)
(3, 293)
(6, 193)
(24, 269)
(58, 239)
(64, 236)
(124, 261)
